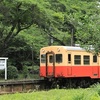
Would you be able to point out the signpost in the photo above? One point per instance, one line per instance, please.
(3, 65)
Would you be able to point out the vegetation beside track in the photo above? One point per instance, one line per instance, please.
(26, 73)
(92, 93)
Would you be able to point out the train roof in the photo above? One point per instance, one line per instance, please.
(70, 48)
(73, 48)
(78, 48)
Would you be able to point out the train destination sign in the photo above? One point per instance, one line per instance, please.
(3, 65)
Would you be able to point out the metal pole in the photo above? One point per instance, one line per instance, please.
(72, 38)
(5, 69)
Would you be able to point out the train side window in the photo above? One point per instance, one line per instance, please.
(86, 60)
(58, 58)
(51, 59)
(94, 58)
(43, 58)
(69, 58)
(77, 59)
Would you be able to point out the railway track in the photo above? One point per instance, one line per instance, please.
(7, 87)
(13, 86)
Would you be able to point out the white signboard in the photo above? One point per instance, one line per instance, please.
(3, 65)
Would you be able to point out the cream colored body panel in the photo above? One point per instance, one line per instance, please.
(64, 51)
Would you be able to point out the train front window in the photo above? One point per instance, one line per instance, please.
(77, 59)
(51, 59)
(43, 58)
(86, 60)
(58, 58)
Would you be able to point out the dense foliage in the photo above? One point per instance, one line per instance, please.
(28, 25)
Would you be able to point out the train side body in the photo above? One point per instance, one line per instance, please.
(68, 62)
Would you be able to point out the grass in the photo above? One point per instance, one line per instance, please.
(92, 93)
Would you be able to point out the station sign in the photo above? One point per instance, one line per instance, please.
(3, 65)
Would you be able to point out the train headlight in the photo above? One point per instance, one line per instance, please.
(58, 49)
(43, 50)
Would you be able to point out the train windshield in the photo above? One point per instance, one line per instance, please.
(51, 59)
(43, 58)
(58, 58)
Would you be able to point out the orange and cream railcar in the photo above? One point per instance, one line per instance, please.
(68, 62)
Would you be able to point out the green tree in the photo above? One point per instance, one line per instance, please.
(16, 16)
(88, 30)
(65, 21)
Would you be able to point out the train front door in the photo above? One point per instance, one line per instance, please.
(50, 64)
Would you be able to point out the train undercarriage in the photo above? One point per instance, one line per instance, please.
(70, 82)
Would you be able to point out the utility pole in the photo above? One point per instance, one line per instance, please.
(72, 38)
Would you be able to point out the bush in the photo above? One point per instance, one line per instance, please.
(2, 73)
(12, 72)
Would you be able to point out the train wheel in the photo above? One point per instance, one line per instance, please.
(83, 83)
(70, 83)
(55, 84)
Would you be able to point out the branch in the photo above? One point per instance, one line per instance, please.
(26, 26)
(20, 29)
(1, 32)
(9, 34)
(56, 39)
(59, 41)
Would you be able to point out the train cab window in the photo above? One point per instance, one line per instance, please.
(94, 58)
(77, 59)
(69, 58)
(43, 58)
(51, 59)
(86, 60)
(58, 58)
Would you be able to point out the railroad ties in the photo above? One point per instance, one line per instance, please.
(21, 86)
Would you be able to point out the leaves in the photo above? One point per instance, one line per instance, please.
(25, 24)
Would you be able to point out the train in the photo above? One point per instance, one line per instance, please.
(69, 66)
